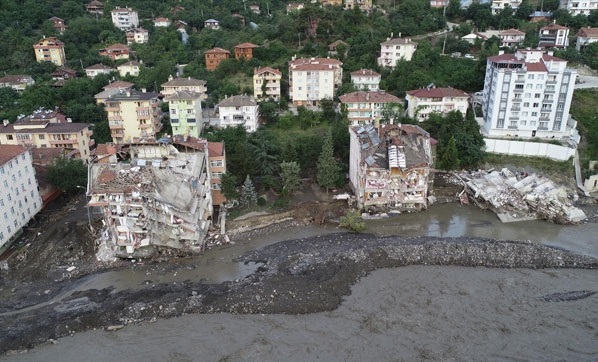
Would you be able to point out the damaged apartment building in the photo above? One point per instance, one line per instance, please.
(390, 166)
(160, 198)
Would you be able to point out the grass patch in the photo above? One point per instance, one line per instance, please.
(532, 164)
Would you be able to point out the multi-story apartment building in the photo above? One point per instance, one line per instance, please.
(244, 51)
(137, 35)
(498, 5)
(527, 94)
(50, 50)
(46, 128)
(266, 83)
(215, 56)
(19, 196)
(112, 89)
(131, 68)
(239, 110)
(142, 210)
(217, 159)
(363, 5)
(393, 50)
(579, 7)
(366, 107)
(133, 116)
(185, 113)
(314, 79)
(366, 79)
(17, 82)
(185, 84)
(586, 36)
(422, 102)
(554, 36)
(125, 18)
(389, 167)
(116, 52)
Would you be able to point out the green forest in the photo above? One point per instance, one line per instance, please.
(285, 137)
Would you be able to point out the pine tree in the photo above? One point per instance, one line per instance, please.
(289, 172)
(327, 167)
(450, 156)
(248, 194)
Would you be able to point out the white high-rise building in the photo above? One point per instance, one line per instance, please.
(125, 18)
(20, 200)
(314, 79)
(527, 94)
(579, 7)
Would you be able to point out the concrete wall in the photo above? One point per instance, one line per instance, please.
(529, 149)
(591, 183)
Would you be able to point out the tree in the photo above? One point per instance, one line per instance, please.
(228, 186)
(449, 159)
(248, 194)
(289, 172)
(68, 174)
(328, 169)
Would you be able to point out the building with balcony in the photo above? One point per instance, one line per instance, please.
(49, 129)
(586, 36)
(20, 200)
(527, 94)
(393, 50)
(131, 68)
(97, 69)
(215, 56)
(185, 84)
(579, 7)
(366, 79)
(133, 116)
(554, 36)
(185, 113)
(266, 83)
(112, 89)
(363, 5)
(137, 36)
(161, 22)
(499, 5)
(368, 107)
(18, 82)
(58, 24)
(124, 18)
(95, 7)
(50, 50)
(389, 167)
(244, 51)
(314, 79)
(422, 102)
(142, 211)
(239, 111)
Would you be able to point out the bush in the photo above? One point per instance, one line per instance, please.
(261, 201)
(352, 221)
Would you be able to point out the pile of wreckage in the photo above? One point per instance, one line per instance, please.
(518, 197)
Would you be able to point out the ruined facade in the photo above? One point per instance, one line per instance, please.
(390, 166)
(161, 198)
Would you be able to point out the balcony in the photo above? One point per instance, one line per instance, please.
(112, 109)
(144, 126)
(116, 124)
(115, 119)
(63, 142)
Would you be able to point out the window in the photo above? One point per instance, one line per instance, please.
(216, 174)
(216, 163)
(5, 183)
(5, 216)
(537, 95)
(526, 104)
(191, 120)
(536, 105)
(534, 114)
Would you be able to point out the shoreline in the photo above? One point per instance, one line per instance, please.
(296, 277)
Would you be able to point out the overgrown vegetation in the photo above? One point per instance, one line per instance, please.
(585, 110)
(68, 174)
(352, 221)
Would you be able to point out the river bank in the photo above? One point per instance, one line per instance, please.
(301, 276)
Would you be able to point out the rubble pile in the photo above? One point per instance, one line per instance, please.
(518, 197)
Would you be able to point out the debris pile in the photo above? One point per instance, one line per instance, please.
(522, 196)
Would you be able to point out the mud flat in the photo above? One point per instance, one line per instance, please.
(297, 277)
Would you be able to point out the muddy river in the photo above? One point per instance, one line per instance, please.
(410, 313)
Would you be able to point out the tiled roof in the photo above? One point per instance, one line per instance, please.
(535, 67)
(363, 96)
(182, 95)
(98, 67)
(257, 71)
(315, 64)
(119, 84)
(238, 101)
(188, 82)
(511, 32)
(365, 72)
(45, 155)
(49, 41)
(16, 79)
(553, 26)
(215, 149)
(70, 127)
(588, 32)
(117, 46)
(437, 93)
(8, 152)
(247, 45)
(129, 64)
(133, 95)
(217, 50)
(337, 43)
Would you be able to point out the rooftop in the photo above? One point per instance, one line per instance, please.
(437, 93)
(369, 96)
(8, 152)
(365, 72)
(183, 82)
(238, 101)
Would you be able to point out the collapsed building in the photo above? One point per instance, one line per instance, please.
(160, 198)
(390, 166)
(520, 196)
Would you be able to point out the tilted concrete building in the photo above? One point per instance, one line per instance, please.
(389, 167)
(160, 199)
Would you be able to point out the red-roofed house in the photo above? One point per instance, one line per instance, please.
(58, 24)
(314, 79)
(528, 94)
(17, 82)
(365, 107)
(215, 56)
(116, 52)
(365, 79)
(422, 102)
(586, 36)
(244, 51)
(266, 83)
(554, 36)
